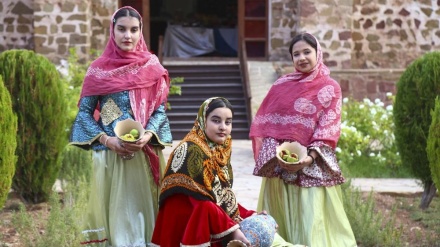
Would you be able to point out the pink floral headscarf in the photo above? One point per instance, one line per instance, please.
(303, 107)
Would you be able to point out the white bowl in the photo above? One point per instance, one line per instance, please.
(293, 147)
(123, 127)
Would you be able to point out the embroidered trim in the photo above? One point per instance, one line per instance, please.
(179, 157)
(94, 241)
(110, 112)
(94, 230)
(227, 232)
(284, 120)
(122, 71)
(199, 245)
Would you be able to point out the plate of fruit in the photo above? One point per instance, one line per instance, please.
(129, 130)
(291, 152)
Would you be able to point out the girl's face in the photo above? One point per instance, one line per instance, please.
(219, 125)
(127, 32)
(303, 56)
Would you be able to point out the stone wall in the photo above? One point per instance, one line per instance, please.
(355, 83)
(16, 25)
(52, 27)
(358, 34)
(354, 34)
(63, 24)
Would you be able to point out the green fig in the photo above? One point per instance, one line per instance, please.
(291, 160)
(134, 133)
(128, 137)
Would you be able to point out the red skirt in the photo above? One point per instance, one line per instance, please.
(183, 220)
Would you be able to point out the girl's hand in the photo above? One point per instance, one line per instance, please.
(262, 212)
(239, 235)
(306, 161)
(136, 146)
(116, 146)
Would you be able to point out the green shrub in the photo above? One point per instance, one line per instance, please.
(39, 101)
(174, 89)
(63, 225)
(433, 144)
(8, 142)
(366, 147)
(417, 89)
(370, 227)
(76, 165)
(73, 72)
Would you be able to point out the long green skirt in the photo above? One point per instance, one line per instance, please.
(314, 216)
(123, 201)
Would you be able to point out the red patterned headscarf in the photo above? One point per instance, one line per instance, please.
(303, 107)
(138, 71)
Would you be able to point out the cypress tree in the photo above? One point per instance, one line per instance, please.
(417, 89)
(8, 143)
(433, 148)
(38, 99)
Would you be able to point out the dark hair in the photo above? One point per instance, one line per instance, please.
(309, 39)
(123, 12)
(217, 103)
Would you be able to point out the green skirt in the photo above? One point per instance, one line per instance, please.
(123, 201)
(313, 216)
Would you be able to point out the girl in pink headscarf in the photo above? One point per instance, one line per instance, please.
(304, 107)
(125, 82)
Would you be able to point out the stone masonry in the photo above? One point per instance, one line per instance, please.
(366, 43)
(52, 27)
(358, 34)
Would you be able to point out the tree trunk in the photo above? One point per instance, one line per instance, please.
(428, 193)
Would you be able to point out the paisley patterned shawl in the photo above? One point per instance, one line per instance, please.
(201, 169)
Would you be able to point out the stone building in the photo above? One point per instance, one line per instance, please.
(366, 43)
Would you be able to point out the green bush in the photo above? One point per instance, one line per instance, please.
(63, 226)
(8, 142)
(76, 165)
(366, 147)
(417, 89)
(370, 227)
(39, 101)
(433, 144)
(73, 73)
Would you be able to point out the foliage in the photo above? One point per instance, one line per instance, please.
(369, 227)
(174, 89)
(366, 147)
(63, 227)
(429, 218)
(76, 165)
(433, 144)
(39, 101)
(416, 91)
(8, 142)
(73, 71)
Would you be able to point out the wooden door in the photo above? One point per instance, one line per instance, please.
(253, 24)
